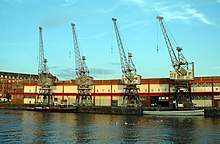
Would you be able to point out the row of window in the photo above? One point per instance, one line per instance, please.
(13, 77)
(201, 97)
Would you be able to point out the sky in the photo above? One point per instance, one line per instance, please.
(194, 25)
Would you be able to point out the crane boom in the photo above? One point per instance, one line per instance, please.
(81, 67)
(123, 58)
(42, 67)
(167, 40)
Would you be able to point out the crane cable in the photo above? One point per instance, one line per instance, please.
(157, 38)
(112, 41)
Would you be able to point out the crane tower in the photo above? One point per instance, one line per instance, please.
(130, 78)
(183, 71)
(45, 79)
(84, 82)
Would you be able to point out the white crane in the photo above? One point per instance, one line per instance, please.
(83, 80)
(183, 73)
(129, 78)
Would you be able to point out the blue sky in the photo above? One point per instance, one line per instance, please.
(195, 26)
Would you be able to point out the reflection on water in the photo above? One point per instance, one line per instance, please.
(41, 127)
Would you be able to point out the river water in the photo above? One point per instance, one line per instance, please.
(49, 128)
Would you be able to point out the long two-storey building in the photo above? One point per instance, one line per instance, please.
(23, 88)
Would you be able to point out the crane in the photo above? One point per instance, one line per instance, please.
(84, 81)
(182, 74)
(45, 78)
(130, 78)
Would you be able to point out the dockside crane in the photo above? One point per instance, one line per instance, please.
(84, 81)
(45, 78)
(183, 71)
(130, 78)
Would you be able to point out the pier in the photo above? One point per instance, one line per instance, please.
(209, 112)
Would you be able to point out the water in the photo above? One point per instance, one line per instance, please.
(40, 127)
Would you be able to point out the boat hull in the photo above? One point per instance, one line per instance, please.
(53, 109)
(49, 109)
(176, 113)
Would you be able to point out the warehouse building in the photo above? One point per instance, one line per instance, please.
(23, 88)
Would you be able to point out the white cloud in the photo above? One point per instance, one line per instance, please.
(199, 16)
(181, 11)
(178, 11)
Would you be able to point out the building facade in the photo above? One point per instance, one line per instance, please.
(205, 92)
(153, 92)
(12, 85)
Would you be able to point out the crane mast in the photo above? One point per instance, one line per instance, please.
(45, 79)
(182, 74)
(129, 78)
(83, 80)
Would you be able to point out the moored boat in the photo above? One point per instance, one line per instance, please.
(45, 108)
(52, 109)
(191, 112)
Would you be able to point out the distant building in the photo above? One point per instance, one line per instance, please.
(13, 84)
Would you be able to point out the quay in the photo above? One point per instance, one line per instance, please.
(209, 112)
(212, 112)
(82, 109)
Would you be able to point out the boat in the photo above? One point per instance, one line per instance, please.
(52, 109)
(45, 108)
(190, 112)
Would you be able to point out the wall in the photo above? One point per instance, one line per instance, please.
(107, 91)
(202, 103)
(159, 88)
(29, 89)
(29, 100)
